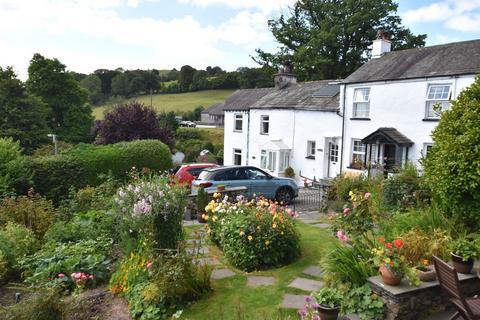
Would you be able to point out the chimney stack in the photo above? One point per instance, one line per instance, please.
(285, 76)
(381, 45)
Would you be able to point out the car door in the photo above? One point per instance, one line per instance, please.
(260, 183)
(238, 178)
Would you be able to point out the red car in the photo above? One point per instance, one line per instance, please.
(189, 172)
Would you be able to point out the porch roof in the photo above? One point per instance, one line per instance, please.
(276, 145)
(387, 135)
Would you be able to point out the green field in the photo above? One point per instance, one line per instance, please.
(178, 102)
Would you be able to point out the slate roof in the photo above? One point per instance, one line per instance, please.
(216, 109)
(301, 96)
(442, 60)
(243, 99)
(387, 135)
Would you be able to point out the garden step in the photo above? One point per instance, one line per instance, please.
(222, 273)
(255, 281)
(322, 225)
(201, 250)
(314, 271)
(210, 261)
(293, 301)
(306, 284)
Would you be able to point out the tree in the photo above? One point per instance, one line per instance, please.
(22, 116)
(63, 95)
(186, 77)
(136, 85)
(93, 85)
(106, 77)
(329, 39)
(452, 166)
(15, 175)
(132, 121)
(120, 85)
(168, 120)
(256, 77)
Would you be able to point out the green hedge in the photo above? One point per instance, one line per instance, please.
(53, 176)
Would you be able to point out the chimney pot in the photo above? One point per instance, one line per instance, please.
(381, 45)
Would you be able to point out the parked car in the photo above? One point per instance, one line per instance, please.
(257, 181)
(188, 124)
(188, 172)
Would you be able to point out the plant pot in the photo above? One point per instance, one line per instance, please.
(427, 274)
(460, 265)
(389, 277)
(327, 313)
(220, 188)
(200, 218)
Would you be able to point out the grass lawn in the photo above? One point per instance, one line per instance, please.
(178, 102)
(232, 299)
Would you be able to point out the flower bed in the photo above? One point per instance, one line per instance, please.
(255, 234)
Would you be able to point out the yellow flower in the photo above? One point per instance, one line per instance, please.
(217, 195)
(205, 216)
(267, 242)
(250, 238)
(214, 218)
(281, 233)
(258, 227)
(387, 260)
(242, 233)
(274, 225)
(350, 193)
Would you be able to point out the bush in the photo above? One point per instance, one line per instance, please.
(32, 211)
(44, 304)
(84, 164)
(421, 245)
(452, 166)
(152, 207)
(361, 300)
(15, 175)
(289, 172)
(254, 235)
(88, 225)
(55, 262)
(184, 134)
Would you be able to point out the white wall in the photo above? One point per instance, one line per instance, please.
(234, 139)
(398, 104)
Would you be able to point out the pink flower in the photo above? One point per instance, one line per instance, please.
(367, 195)
(91, 276)
(149, 264)
(61, 275)
(346, 211)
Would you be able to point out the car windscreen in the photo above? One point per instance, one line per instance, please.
(206, 175)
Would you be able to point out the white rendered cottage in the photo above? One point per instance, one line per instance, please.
(391, 104)
(293, 124)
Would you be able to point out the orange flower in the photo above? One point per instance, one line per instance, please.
(389, 245)
(398, 243)
(391, 263)
(381, 239)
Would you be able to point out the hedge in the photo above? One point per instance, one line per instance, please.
(53, 176)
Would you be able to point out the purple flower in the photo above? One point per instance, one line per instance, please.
(308, 299)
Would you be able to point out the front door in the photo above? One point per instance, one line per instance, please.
(389, 156)
(333, 160)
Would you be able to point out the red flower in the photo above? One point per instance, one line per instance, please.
(398, 243)
(389, 245)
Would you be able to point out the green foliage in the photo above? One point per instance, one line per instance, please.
(329, 297)
(289, 172)
(31, 211)
(361, 300)
(89, 225)
(93, 84)
(44, 304)
(23, 116)
(422, 245)
(151, 207)
(312, 36)
(14, 172)
(54, 259)
(466, 247)
(202, 200)
(342, 185)
(452, 168)
(254, 235)
(357, 217)
(49, 149)
(84, 164)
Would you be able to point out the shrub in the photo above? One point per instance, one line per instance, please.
(15, 175)
(88, 225)
(254, 235)
(289, 172)
(452, 168)
(421, 245)
(84, 164)
(44, 304)
(133, 121)
(55, 262)
(152, 207)
(32, 211)
(191, 149)
(342, 185)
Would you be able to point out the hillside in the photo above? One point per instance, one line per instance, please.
(178, 102)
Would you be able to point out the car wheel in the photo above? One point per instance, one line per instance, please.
(284, 195)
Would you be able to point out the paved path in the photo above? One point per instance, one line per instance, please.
(256, 281)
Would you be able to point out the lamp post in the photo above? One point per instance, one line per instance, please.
(54, 140)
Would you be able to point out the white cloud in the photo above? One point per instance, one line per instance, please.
(265, 6)
(89, 34)
(459, 15)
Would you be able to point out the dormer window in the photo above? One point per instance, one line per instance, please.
(438, 100)
(361, 103)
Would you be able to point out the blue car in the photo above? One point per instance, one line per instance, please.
(257, 182)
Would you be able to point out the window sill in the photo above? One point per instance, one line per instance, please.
(431, 119)
(358, 169)
(238, 131)
(310, 157)
(264, 134)
(364, 119)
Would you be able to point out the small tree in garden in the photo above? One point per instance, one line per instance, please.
(14, 172)
(452, 167)
(133, 121)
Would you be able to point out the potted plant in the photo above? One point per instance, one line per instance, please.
(329, 301)
(202, 201)
(391, 261)
(464, 250)
(426, 272)
(221, 187)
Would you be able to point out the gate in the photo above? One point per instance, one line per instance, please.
(311, 197)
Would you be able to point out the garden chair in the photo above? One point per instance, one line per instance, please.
(468, 308)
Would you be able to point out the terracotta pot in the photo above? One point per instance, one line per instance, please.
(428, 274)
(220, 188)
(460, 265)
(388, 277)
(327, 313)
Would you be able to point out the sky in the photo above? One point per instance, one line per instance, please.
(87, 35)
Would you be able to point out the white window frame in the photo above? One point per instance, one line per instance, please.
(432, 100)
(426, 145)
(361, 100)
(237, 118)
(284, 159)
(237, 152)
(357, 153)
(264, 119)
(272, 160)
(311, 148)
(333, 152)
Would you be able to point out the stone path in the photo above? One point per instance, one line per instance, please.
(306, 284)
(222, 274)
(207, 260)
(322, 225)
(310, 216)
(255, 281)
(313, 271)
(293, 301)
(200, 251)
